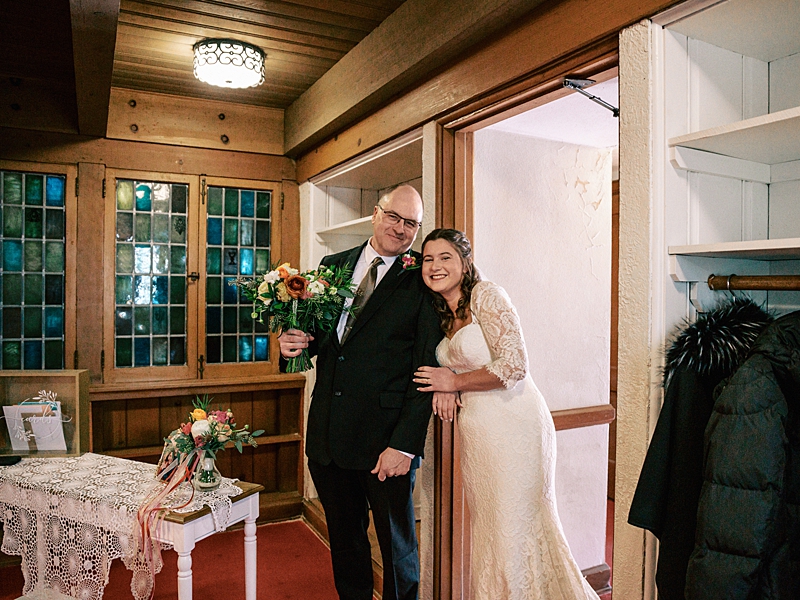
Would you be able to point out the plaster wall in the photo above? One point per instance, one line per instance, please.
(542, 230)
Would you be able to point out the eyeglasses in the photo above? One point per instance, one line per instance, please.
(394, 219)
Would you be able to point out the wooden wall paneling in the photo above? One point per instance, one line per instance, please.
(241, 403)
(288, 467)
(224, 464)
(290, 413)
(241, 465)
(543, 39)
(37, 103)
(94, 35)
(113, 424)
(463, 208)
(265, 411)
(60, 148)
(175, 120)
(143, 423)
(268, 474)
(172, 411)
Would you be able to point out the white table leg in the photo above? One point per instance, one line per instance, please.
(250, 565)
(184, 544)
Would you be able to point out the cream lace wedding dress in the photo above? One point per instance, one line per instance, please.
(508, 460)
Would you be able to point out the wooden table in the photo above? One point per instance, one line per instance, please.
(184, 530)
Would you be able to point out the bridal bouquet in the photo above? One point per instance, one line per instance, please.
(309, 301)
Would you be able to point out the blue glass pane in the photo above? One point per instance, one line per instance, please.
(213, 319)
(141, 290)
(33, 354)
(214, 231)
(12, 255)
(246, 261)
(144, 201)
(213, 349)
(142, 261)
(160, 290)
(245, 349)
(53, 322)
(229, 294)
(141, 352)
(177, 351)
(262, 347)
(230, 261)
(55, 191)
(160, 351)
(248, 203)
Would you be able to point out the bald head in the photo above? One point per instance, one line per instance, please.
(396, 220)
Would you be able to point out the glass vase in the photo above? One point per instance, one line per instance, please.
(207, 478)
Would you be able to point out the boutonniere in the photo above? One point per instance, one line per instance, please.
(409, 261)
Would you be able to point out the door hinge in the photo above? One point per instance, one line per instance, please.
(203, 191)
(201, 365)
(76, 187)
(104, 188)
(75, 360)
(282, 198)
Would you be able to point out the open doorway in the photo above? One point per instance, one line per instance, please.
(540, 211)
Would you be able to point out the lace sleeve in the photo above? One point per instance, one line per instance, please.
(500, 324)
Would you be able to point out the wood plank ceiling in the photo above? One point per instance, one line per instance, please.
(301, 38)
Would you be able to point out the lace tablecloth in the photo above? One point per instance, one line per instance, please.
(68, 518)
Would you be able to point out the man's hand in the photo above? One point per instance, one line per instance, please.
(436, 379)
(293, 341)
(445, 405)
(391, 463)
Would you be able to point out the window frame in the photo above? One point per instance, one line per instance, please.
(70, 172)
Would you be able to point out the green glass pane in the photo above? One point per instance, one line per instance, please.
(229, 319)
(54, 228)
(262, 261)
(177, 320)
(124, 293)
(34, 284)
(179, 192)
(12, 188)
(214, 201)
(12, 221)
(231, 232)
(177, 259)
(124, 352)
(33, 322)
(231, 202)
(177, 290)
(161, 259)
(33, 256)
(262, 205)
(178, 230)
(245, 320)
(262, 234)
(54, 354)
(161, 228)
(161, 197)
(214, 290)
(12, 289)
(54, 257)
(160, 351)
(34, 189)
(141, 320)
(142, 227)
(33, 222)
(229, 348)
(214, 260)
(124, 258)
(12, 322)
(160, 320)
(247, 232)
(124, 227)
(12, 355)
(124, 196)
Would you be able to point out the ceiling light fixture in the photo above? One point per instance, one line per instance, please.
(228, 63)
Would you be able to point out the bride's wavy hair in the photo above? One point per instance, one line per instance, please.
(460, 242)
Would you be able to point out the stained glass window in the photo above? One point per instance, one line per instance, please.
(32, 253)
(150, 286)
(237, 243)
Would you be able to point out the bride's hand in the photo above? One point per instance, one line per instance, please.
(445, 405)
(435, 379)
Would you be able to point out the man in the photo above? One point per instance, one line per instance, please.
(367, 421)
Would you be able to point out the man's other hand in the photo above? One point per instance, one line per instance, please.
(391, 463)
(293, 341)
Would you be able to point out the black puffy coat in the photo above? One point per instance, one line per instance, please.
(701, 356)
(748, 521)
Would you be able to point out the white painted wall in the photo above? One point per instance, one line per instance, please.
(542, 230)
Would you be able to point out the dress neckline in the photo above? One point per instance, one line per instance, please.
(450, 339)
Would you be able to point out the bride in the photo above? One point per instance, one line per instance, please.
(508, 440)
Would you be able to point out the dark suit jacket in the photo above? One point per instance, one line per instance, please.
(365, 400)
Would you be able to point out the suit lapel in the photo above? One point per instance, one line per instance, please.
(350, 262)
(385, 287)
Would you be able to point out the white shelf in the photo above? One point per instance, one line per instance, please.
(362, 226)
(782, 249)
(768, 139)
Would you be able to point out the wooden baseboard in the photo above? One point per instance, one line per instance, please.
(599, 577)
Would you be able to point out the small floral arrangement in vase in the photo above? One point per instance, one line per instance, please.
(310, 301)
(194, 445)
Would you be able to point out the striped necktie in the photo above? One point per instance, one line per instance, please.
(364, 291)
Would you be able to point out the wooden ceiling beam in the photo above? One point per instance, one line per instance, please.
(94, 34)
(417, 38)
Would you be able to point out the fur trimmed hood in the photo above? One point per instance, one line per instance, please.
(718, 341)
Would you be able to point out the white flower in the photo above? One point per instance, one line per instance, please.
(222, 438)
(200, 428)
(315, 287)
(332, 291)
(292, 271)
(270, 277)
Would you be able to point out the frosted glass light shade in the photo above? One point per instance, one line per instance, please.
(228, 63)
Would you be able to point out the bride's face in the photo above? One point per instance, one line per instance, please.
(442, 268)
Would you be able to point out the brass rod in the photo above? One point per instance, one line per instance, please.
(754, 282)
